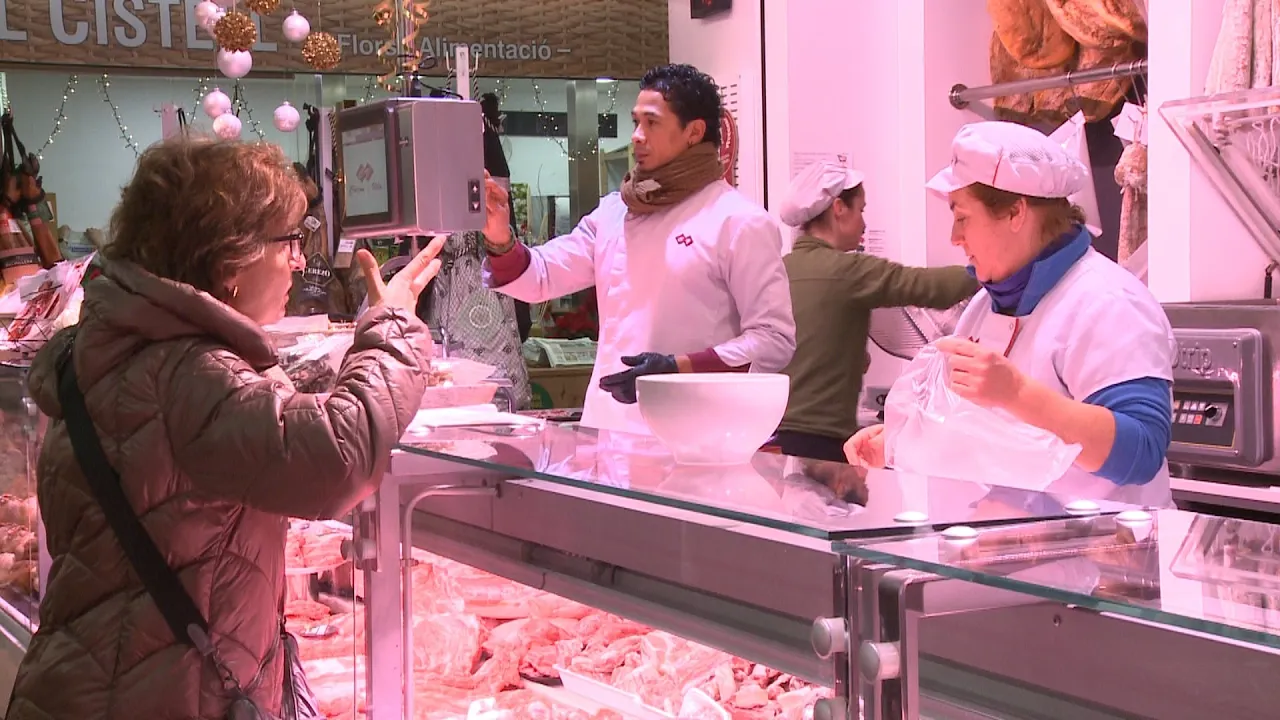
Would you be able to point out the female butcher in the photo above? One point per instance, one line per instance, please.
(1060, 337)
(213, 446)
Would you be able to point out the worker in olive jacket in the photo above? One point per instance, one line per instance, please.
(833, 291)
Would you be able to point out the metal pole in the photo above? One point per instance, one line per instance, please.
(961, 95)
(583, 148)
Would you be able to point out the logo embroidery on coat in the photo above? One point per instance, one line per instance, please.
(684, 240)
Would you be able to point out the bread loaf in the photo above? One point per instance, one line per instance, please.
(1100, 23)
(1014, 108)
(1030, 33)
(1099, 99)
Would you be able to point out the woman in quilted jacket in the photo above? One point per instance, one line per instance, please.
(214, 448)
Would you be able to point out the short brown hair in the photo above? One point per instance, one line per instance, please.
(1059, 215)
(198, 210)
(847, 197)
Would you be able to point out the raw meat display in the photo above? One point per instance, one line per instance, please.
(313, 545)
(18, 510)
(481, 642)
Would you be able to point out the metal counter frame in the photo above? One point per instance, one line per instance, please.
(1028, 658)
(744, 591)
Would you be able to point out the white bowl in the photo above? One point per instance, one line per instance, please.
(713, 418)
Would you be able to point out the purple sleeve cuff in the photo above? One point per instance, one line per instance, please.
(504, 269)
(707, 361)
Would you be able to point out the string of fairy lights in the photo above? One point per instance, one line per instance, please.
(240, 104)
(542, 110)
(241, 107)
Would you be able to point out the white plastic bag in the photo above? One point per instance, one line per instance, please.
(1071, 136)
(929, 430)
(314, 362)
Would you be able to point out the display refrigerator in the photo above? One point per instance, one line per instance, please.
(19, 527)
(523, 569)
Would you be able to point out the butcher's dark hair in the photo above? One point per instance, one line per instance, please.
(691, 93)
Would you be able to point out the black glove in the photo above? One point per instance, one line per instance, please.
(622, 386)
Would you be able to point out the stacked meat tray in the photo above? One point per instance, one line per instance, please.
(487, 647)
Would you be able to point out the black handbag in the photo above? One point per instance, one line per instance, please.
(162, 583)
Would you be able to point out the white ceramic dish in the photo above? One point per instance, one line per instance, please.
(713, 418)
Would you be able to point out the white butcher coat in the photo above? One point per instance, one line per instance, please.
(705, 273)
(1098, 327)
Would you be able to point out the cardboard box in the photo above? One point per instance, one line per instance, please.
(559, 388)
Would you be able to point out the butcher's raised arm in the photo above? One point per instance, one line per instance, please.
(562, 266)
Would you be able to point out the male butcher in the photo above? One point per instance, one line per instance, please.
(688, 272)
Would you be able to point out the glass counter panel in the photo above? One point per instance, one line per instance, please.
(1203, 573)
(19, 524)
(818, 499)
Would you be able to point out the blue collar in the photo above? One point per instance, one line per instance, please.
(1019, 294)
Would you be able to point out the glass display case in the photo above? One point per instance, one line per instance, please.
(1161, 614)
(587, 574)
(20, 570)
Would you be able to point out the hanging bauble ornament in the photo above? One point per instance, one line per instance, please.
(235, 32)
(212, 20)
(227, 126)
(286, 117)
(207, 13)
(262, 7)
(216, 103)
(234, 65)
(296, 28)
(321, 51)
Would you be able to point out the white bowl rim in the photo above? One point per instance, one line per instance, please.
(720, 378)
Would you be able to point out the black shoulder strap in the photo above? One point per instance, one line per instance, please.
(179, 610)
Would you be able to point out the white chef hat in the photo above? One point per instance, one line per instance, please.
(1010, 157)
(814, 189)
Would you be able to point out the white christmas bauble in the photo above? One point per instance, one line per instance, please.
(206, 10)
(226, 126)
(215, 103)
(296, 28)
(235, 64)
(286, 117)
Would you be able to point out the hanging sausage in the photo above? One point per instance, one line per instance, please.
(17, 254)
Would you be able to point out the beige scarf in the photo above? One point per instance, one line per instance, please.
(645, 192)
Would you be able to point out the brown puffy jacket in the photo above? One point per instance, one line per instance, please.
(213, 455)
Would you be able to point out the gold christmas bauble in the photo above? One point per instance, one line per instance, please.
(321, 51)
(262, 7)
(235, 32)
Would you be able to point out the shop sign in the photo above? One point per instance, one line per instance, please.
(510, 38)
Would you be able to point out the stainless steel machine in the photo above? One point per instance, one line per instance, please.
(1226, 383)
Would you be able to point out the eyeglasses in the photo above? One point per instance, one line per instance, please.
(295, 240)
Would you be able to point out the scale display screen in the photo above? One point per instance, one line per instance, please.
(364, 167)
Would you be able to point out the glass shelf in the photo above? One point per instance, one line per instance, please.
(1208, 574)
(819, 499)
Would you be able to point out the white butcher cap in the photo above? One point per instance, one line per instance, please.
(814, 189)
(1010, 157)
